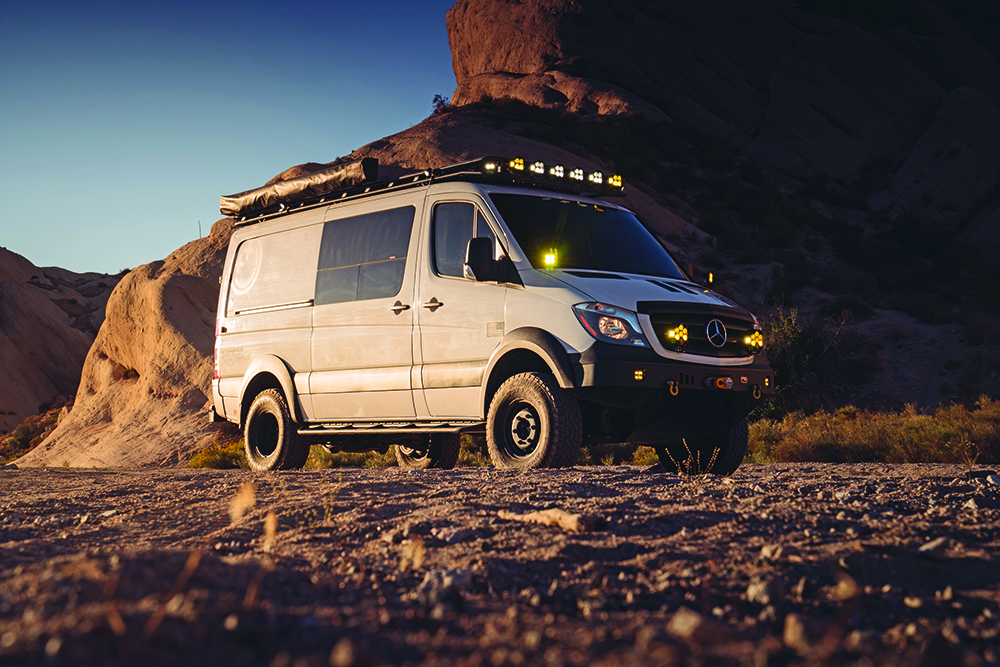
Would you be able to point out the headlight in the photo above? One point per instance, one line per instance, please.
(611, 324)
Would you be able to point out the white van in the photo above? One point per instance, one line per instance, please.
(492, 296)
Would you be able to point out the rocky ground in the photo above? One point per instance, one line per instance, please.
(784, 564)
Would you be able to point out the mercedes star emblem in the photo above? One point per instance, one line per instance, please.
(716, 332)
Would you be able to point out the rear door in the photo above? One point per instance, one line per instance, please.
(363, 316)
(460, 321)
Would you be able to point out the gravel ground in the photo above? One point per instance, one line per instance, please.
(784, 564)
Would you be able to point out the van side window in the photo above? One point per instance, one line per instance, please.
(273, 270)
(363, 257)
(454, 224)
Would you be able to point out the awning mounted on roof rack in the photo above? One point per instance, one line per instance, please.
(316, 184)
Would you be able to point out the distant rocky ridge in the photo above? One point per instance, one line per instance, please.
(48, 319)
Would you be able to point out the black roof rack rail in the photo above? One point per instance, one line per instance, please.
(503, 171)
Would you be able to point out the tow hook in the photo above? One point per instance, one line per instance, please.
(673, 387)
(755, 389)
(719, 383)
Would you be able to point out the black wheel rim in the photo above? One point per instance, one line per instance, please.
(523, 430)
(265, 435)
(413, 454)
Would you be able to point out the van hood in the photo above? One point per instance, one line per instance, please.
(625, 290)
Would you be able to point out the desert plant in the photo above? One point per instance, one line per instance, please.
(949, 434)
(221, 456)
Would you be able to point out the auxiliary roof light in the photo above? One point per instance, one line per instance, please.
(537, 167)
(576, 174)
(596, 178)
(557, 171)
(517, 164)
(490, 167)
(550, 259)
(615, 181)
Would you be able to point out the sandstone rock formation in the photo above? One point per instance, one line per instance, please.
(48, 320)
(814, 87)
(146, 380)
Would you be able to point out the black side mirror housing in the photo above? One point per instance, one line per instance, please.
(479, 260)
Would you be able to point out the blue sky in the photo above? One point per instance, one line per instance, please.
(121, 123)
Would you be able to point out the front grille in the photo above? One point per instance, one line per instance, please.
(696, 317)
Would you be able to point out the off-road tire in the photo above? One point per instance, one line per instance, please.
(533, 423)
(441, 452)
(728, 448)
(270, 439)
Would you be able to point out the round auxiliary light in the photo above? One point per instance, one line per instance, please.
(615, 181)
(677, 337)
(550, 259)
(517, 164)
(558, 171)
(538, 168)
(754, 342)
(576, 174)
(596, 178)
(490, 167)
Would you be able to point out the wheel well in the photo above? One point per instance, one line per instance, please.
(512, 363)
(258, 384)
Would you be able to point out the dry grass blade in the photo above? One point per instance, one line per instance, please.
(250, 599)
(189, 567)
(115, 620)
(270, 531)
(242, 502)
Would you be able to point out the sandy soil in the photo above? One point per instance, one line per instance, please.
(786, 564)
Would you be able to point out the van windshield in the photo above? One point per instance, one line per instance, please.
(561, 234)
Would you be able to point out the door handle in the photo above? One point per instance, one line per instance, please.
(399, 307)
(433, 303)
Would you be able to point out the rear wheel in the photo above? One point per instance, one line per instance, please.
(269, 436)
(533, 423)
(718, 453)
(441, 451)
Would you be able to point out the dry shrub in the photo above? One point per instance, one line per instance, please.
(221, 456)
(319, 457)
(951, 434)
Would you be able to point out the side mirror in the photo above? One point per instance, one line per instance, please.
(479, 263)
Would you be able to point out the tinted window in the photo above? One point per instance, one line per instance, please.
(583, 236)
(454, 224)
(363, 257)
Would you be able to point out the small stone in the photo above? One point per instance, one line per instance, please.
(109, 513)
(935, 547)
(691, 626)
(762, 591)
(992, 479)
(802, 633)
(771, 551)
(970, 504)
(913, 602)
(451, 534)
(343, 654)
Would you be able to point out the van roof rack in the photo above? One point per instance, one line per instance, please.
(358, 179)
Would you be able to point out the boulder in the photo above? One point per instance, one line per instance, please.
(146, 381)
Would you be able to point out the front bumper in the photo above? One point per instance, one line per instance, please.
(669, 400)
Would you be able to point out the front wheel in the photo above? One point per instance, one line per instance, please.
(718, 453)
(270, 439)
(533, 423)
(440, 451)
